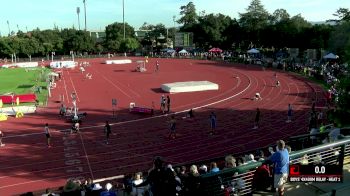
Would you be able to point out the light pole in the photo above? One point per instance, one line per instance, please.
(123, 20)
(78, 12)
(84, 1)
(8, 25)
(174, 31)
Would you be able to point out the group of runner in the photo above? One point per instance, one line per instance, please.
(74, 129)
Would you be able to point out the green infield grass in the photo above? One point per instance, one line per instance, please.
(25, 80)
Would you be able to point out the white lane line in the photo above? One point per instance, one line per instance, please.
(86, 156)
(74, 88)
(104, 77)
(65, 87)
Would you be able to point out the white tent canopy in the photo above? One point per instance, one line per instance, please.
(330, 56)
(253, 51)
(53, 74)
(183, 51)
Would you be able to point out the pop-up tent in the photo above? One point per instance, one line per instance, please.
(330, 56)
(253, 51)
(183, 51)
(170, 50)
(218, 50)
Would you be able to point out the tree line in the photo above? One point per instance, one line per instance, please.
(256, 27)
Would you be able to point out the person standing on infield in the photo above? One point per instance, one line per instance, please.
(212, 119)
(1, 136)
(48, 135)
(257, 118)
(172, 124)
(168, 103)
(157, 67)
(289, 114)
(107, 131)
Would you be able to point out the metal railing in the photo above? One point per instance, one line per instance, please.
(241, 177)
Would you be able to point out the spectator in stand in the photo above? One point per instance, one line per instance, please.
(137, 191)
(230, 162)
(317, 159)
(109, 191)
(48, 192)
(334, 133)
(182, 173)
(71, 189)
(171, 184)
(304, 160)
(156, 179)
(203, 169)
(261, 155)
(214, 167)
(241, 161)
(313, 138)
(312, 121)
(127, 184)
(281, 166)
(270, 149)
(262, 178)
(320, 117)
(192, 182)
(88, 185)
(250, 159)
(329, 97)
(237, 183)
(96, 190)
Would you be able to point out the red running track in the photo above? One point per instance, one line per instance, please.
(28, 165)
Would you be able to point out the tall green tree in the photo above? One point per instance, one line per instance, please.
(29, 46)
(115, 35)
(188, 14)
(339, 41)
(256, 17)
(5, 48)
(129, 44)
(343, 15)
(49, 40)
(279, 15)
(253, 22)
(213, 30)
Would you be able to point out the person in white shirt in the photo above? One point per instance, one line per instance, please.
(137, 191)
